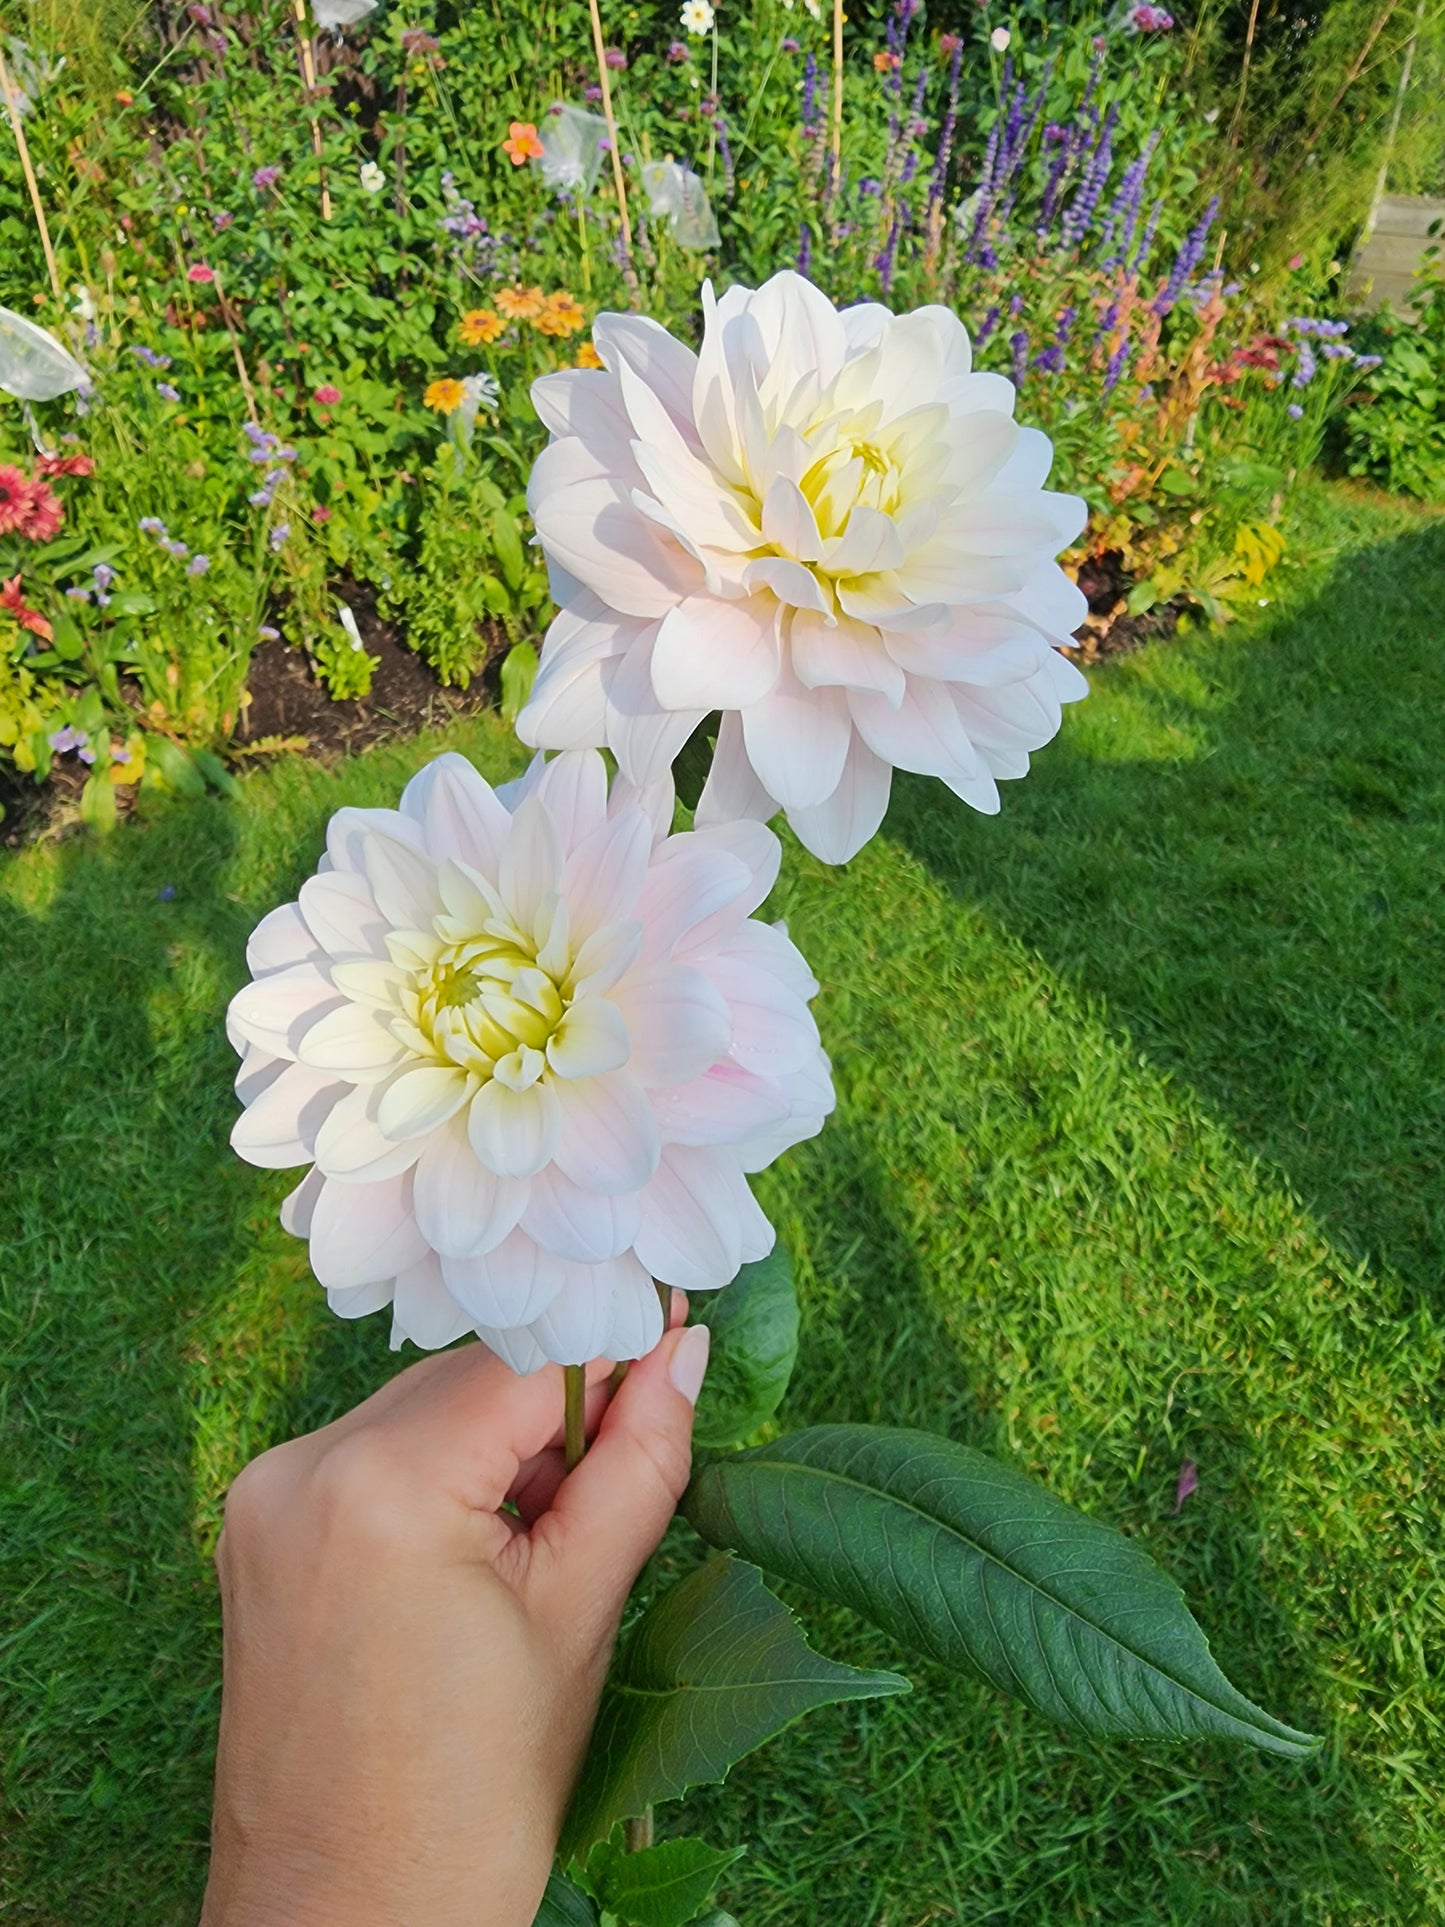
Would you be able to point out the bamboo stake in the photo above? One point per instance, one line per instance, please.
(308, 74)
(618, 177)
(12, 108)
(837, 91)
(228, 316)
(1244, 73)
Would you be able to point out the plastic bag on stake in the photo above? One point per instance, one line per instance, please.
(341, 13)
(33, 365)
(571, 148)
(676, 192)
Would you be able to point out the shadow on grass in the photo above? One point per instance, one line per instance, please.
(1237, 844)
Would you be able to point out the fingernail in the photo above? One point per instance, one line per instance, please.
(689, 1361)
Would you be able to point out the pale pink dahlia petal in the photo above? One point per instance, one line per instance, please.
(838, 828)
(607, 1138)
(280, 939)
(340, 910)
(464, 1208)
(424, 1311)
(362, 1234)
(733, 788)
(510, 1285)
(575, 1222)
(279, 1126)
(726, 1103)
(845, 654)
(711, 654)
(277, 1010)
(678, 1019)
(691, 1233)
(797, 741)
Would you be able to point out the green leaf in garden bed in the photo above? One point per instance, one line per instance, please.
(661, 1886)
(967, 1560)
(564, 1905)
(714, 1668)
(168, 767)
(215, 773)
(97, 804)
(754, 1326)
(519, 672)
(1142, 598)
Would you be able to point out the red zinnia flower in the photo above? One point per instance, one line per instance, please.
(47, 512)
(14, 500)
(327, 394)
(66, 465)
(13, 603)
(198, 271)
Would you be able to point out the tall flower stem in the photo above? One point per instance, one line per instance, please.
(12, 108)
(618, 177)
(308, 74)
(574, 1422)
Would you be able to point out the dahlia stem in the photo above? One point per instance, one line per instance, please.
(664, 1298)
(12, 108)
(575, 1422)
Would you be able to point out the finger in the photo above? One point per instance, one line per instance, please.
(610, 1513)
(536, 1485)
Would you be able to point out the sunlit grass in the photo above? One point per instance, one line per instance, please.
(1136, 1160)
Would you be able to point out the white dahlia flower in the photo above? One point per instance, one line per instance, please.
(823, 525)
(531, 1045)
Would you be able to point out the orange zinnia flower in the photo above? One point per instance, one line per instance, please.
(561, 316)
(588, 357)
(520, 304)
(13, 603)
(444, 395)
(886, 63)
(481, 324)
(521, 144)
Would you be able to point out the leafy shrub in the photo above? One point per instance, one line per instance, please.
(1396, 435)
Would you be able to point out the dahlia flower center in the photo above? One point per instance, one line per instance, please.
(484, 1004)
(845, 459)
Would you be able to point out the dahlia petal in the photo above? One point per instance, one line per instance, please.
(1018, 522)
(870, 543)
(800, 332)
(678, 1021)
(567, 708)
(403, 882)
(837, 828)
(636, 1314)
(975, 393)
(367, 982)
(763, 947)
(348, 830)
(974, 644)
(423, 1310)
(607, 1135)
(591, 1038)
(797, 740)
(733, 788)
(278, 1128)
(420, 1101)
(657, 801)
(712, 388)
(281, 939)
(518, 1349)
(691, 1231)
(364, 1233)
(604, 956)
(923, 733)
(350, 1145)
(757, 1234)
(810, 1092)
(645, 737)
(711, 654)
(944, 570)
(1025, 715)
(578, 1322)
(790, 582)
(1029, 462)
(277, 1010)
(590, 524)
(604, 876)
(849, 654)
(515, 1132)
(512, 1285)
(664, 363)
(773, 1031)
(459, 812)
(585, 1226)
(298, 1205)
(531, 865)
(342, 915)
(788, 521)
(580, 402)
(353, 1042)
(356, 1301)
(574, 789)
(687, 881)
(863, 323)
(257, 1070)
(753, 845)
(724, 1104)
(463, 1207)
(1065, 679)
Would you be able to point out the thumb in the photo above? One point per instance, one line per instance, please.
(610, 1513)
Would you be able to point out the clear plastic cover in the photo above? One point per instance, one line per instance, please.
(572, 149)
(30, 73)
(341, 13)
(33, 365)
(676, 192)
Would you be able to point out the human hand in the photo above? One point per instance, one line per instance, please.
(411, 1674)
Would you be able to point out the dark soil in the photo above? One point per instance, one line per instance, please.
(1109, 629)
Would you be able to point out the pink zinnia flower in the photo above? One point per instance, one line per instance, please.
(46, 513)
(327, 394)
(198, 271)
(14, 500)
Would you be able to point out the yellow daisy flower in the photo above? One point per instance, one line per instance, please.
(561, 315)
(444, 395)
(479, 325)
(520, 304)
(588, 357)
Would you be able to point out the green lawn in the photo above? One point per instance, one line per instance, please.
(1137, 1158)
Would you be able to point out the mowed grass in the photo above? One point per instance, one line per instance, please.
(1137, 1159)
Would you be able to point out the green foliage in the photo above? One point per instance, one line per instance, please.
(564, 1905)
(971, 1563)
(519, 672)
(714, 1668)
(1396, 434)
(667, 1885)
(754, 1327)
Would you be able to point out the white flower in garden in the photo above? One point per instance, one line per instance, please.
(372, 178)
(698, 16)
(999, 39)
(531, 1044)
(823, 525)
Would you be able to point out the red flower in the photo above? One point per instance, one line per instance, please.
(13, 603)
(327, 394)
(66, 465)
(14, 500)
(198, 271)
(47, 512)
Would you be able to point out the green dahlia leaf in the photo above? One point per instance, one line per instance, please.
(714, 1668)
(754, 1324)
(662, 1886)
(970, 1562)
(564, 1905)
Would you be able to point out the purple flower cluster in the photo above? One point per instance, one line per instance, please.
(266, 447)
(1003, 158)
(151, 358)
(1121, 222)
(476, 249)
(167, 391)
(265, 177)
(1304, 324)
(1191, 253)
(68, 738)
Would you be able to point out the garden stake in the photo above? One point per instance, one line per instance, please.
(229, 317)
(12, 107)
(629, 272)
(837, 91)
(308, 74)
